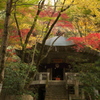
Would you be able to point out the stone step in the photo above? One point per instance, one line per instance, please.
(56, 91)
(50, 98)
(57, 82)
(61, 97)
(57, 99)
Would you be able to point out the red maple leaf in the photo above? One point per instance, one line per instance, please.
(91, 40)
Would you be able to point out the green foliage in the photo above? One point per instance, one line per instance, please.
(32, 1)
(2, 4)
(27, 3)
(16, 76)
(84, 14)
(89, 76)
(86, 11)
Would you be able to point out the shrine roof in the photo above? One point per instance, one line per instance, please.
(58, 41)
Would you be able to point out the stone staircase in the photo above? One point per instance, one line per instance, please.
(56, 91)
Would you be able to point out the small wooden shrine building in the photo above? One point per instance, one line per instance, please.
(56, 78)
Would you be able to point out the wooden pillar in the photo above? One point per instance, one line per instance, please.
(83, 94)
(77, 89)
(40, 77)
(48, 75)
(49, 70)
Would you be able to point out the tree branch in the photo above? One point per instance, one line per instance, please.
(18, 29)
(47, 35)
(40, 6)
(4, 42)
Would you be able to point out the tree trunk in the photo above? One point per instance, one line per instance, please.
(4, 42)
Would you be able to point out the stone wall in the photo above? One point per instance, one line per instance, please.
(16, 97)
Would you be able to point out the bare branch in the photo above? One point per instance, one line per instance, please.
(18, 29)
(47, 35)
(15, 1)
(50, 48)
(67, 6)
(40, 5)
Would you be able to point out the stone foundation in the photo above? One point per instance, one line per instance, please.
(16, 97)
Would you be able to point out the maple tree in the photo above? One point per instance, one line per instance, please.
(22, 32)
(49, 15)
(85, 16)
(8, 12)
(22, 16)
(91, 40)
(4, 42)
(44, 20)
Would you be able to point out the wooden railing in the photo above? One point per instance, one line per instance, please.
(71, 78)
(73, 82)
(41, 78)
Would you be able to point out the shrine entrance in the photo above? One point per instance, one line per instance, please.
(56, 70)
(57, 73)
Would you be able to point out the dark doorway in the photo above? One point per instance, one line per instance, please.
(41, 93)
(57, 73)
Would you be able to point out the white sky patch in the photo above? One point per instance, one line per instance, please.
(50, 2)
